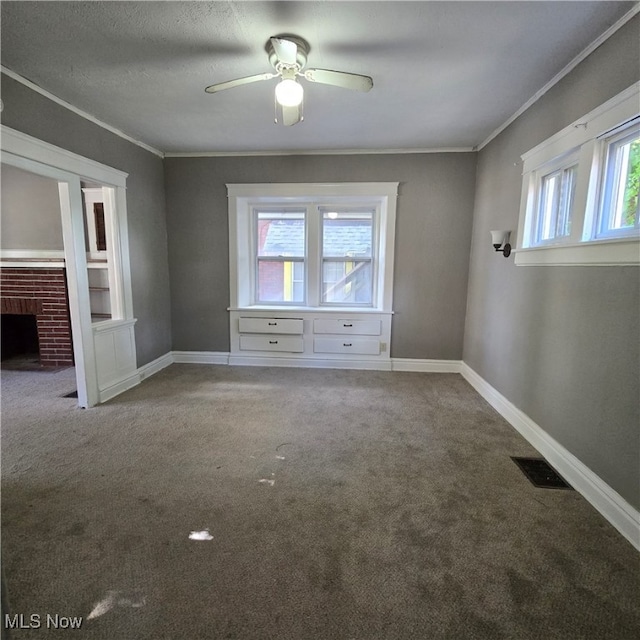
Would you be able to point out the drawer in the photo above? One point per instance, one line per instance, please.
(354, 327)
(348, 344)
(270, 325)
(291, 344)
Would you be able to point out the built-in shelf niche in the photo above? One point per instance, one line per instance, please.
(99, 291)
(98, 268)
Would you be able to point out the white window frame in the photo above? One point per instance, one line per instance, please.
(559, 166)
(372, 259)
(607, 173)
(244, 198)
(587, 141)
(256, 210)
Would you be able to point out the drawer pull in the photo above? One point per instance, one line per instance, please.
(347, 325)
(347, 344)
(273, 342)
(273, 324)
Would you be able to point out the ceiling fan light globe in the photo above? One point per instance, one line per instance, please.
(289, 93)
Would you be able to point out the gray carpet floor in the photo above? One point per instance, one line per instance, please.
(350, 505)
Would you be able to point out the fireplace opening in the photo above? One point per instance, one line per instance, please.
(19, 338)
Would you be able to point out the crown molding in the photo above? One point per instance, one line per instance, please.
(83, 114)
(562, 73)
(315, 152)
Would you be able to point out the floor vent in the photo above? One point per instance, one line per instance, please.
(540, 473)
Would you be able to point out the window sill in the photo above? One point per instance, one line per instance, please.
(299, 309)
(609, 253)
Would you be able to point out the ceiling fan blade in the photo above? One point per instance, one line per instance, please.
(221, 86)
(339, 79)
(286, 50)
(291, 115)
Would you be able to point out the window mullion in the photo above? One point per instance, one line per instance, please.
(587, 193)
(314, 262)
(620, 167)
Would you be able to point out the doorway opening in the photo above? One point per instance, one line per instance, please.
(85, 239)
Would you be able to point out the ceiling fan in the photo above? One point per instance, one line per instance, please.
(288, 56)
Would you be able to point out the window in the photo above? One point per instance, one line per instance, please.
(312, 245)
(580, 190)
(280, 255)
(621, 183)
(347, 256)
(555, 204)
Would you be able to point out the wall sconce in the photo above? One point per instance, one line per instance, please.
(500, 240)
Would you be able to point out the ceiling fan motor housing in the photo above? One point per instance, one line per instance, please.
(301, 53)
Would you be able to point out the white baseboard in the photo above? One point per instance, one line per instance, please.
(310, 363)
(373, 364)
(426, 366)
(119, 387)
(151, 368)
(610, 504)
(200, 357)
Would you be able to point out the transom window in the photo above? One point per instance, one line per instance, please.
(581, 189)
(621, 183)
(312, 245)
(555, 203)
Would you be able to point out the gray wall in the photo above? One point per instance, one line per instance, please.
(30, 211)
(561, 343)
(433, 232)
(31, 113)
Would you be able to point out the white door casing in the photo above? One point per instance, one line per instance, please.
(96, 380)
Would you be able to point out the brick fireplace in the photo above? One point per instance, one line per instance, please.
(41, 292)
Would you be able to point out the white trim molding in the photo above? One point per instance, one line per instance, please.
(394, 364)
(317, 152)
(426, 366)
(369, 364)
(613, 253)
(28, 258)
(32, 254)
(27, 147)
(610, 504)
(119, 387)
(155, 366)
(200, 357)
(225, 358)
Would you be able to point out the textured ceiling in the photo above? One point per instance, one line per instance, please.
(446, 74)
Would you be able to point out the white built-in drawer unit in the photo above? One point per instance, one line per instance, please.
(270, 325)
(311, 337)
(347, 327)
(347, 344)
(290, 344)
